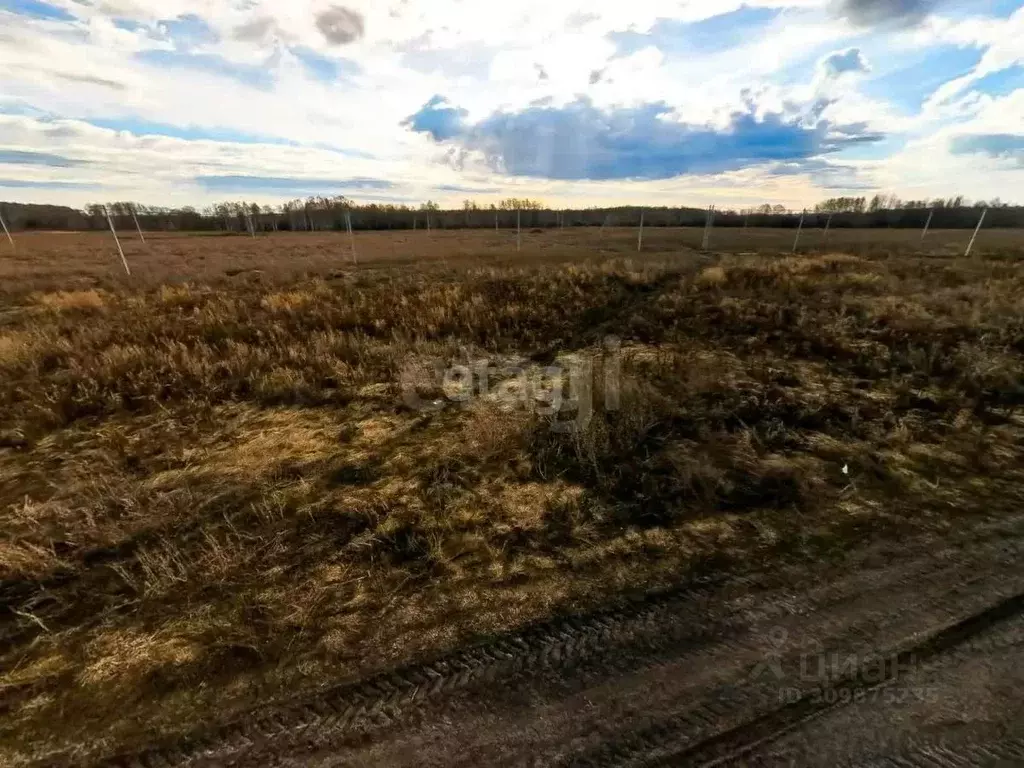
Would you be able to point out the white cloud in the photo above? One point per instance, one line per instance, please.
(1003, 49)
(121, 64)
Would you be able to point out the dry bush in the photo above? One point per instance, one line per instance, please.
(182, 296)
(288, 301)
(63, 301)
(829, 262)
(711, 277)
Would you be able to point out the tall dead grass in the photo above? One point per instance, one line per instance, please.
(216, 493)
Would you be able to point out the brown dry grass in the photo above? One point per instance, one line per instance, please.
(64, 301)
(217, 492)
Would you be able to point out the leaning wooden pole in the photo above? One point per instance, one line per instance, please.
(799, 229)
(6, 231)
(136, 220)
(351, 236)
(709, 222)
(977, 229)
(113, 231)
(927, 224)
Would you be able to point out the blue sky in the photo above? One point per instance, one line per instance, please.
(664, 102)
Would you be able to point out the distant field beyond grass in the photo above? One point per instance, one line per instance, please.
(238, 476)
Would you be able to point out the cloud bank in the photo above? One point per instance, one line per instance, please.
(1002, 145)
(583, 142)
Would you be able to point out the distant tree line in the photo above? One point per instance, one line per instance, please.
(322, 213)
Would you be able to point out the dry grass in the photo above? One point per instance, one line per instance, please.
(221, 492)
(67, 301)
(711, 277)
(16, 347)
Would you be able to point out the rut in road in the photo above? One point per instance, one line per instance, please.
(983, 754)
(735, 743)
(643, 627)
(386, 698)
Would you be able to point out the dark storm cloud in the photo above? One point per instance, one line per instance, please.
(871, 13)
(340, 25)
(581, 141)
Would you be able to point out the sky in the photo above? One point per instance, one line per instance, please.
(650, 102)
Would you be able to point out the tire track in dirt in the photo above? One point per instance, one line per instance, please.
(667, 623)
(967, 696)
(387, 699)
(999, 753)
(731, 698)
(653, 746)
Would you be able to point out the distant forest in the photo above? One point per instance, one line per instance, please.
(334, 213)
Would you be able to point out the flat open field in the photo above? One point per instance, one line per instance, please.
(75, 260)
(256, 469)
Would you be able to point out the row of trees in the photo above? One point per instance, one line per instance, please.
(319, 213)
(893, 203)
(322, 213)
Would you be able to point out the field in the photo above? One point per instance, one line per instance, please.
(257, 468)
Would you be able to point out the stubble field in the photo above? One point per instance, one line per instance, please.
(239, 475)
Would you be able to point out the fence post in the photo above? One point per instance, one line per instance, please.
(136, 220)
(927, 224)
(799, 229)
(708, 224)
(828, 225)
(113, 231)
(640, 236)
(351, 236)
(6, 231)
(519, 229)
(977, 229)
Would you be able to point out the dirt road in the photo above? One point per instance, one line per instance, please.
(908, 653)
